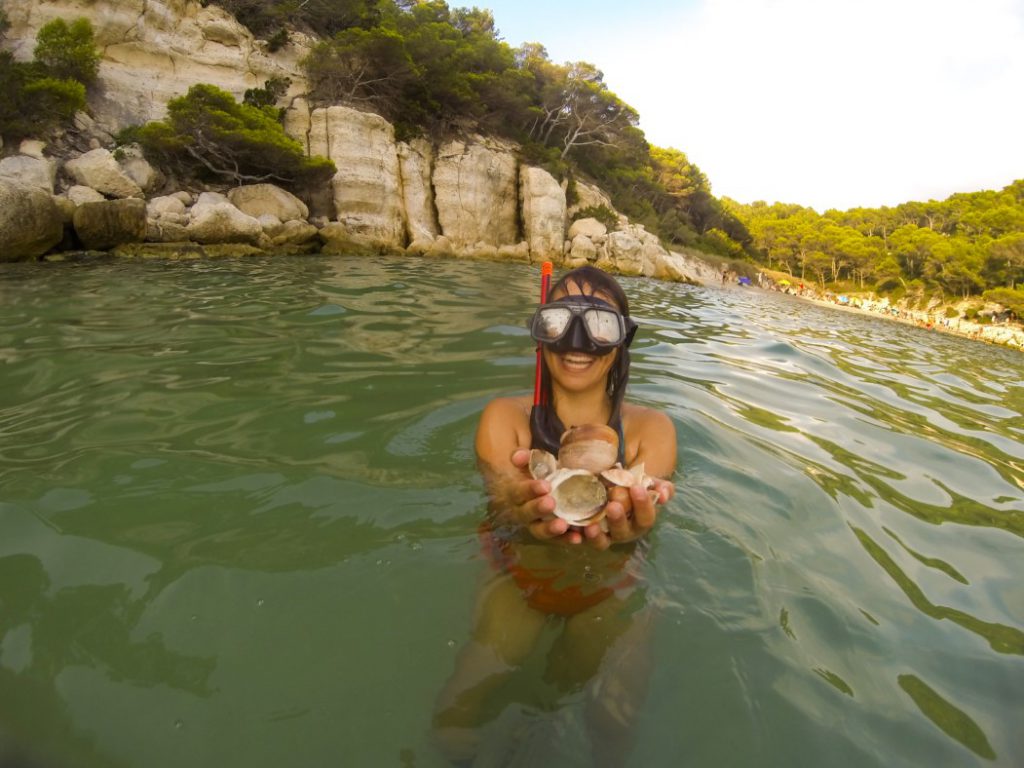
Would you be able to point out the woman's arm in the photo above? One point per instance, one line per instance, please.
(502, 450)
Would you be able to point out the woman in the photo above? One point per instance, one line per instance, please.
(546, 571)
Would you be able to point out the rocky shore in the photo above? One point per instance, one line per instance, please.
(938, 317)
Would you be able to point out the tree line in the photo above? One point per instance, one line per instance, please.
(970, 244)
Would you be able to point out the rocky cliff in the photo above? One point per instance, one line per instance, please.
(466, 195)
(153, 50)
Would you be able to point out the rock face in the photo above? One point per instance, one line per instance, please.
(30, 222)
(101, 226)
(475, 192)
(416, 162)
(154, 50)
(367, 186)
(543, 207)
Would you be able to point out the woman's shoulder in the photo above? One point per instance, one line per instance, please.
(638, 418)
(512, 412)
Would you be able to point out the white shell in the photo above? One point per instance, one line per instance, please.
(580, 497)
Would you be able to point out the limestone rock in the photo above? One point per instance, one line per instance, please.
(517, 252)
(102, 225)
(98, 169)
(475, 193)
(32, 148)
(66, 208)
(297, 122)
(415, 161)
(220, 222)
(80, 195)
(137, 168)
(294, 232)
(588, 196)
(543, 212)
(160, 206)
(164, 231)
(27, 169)
(154, 50)
(367, 186)
(30, 222)
(583, 248)
(442, 246)
(338, 239)
(259, 199)
(592, 228)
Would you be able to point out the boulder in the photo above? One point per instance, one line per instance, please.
(415, 162)
(221, 222)
(588, 196)
(80, 195)
(135, 166)
(592, 228)
(259, 199)
(98, 169)
(30, 221)
(583, 248)
(26, 169)
(294, 232)
(475, 193)
(367, 186)
(161, 206)
(543, 213)
(32, 148)
(163, 231)
(102, 225)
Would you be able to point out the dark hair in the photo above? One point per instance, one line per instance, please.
(588, 280)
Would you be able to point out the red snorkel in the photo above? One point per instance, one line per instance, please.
(545, 283)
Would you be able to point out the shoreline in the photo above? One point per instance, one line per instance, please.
(1005, 334)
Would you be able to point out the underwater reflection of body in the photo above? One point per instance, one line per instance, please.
(582, 585)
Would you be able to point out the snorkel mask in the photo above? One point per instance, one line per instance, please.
(581, 324)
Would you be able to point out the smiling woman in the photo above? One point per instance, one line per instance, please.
(543, 566)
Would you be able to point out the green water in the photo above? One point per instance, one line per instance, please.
(238, 507)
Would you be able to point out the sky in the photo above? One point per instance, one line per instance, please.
(824, 103)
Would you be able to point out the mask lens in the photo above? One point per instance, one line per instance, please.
(551, 323)
(603, 326)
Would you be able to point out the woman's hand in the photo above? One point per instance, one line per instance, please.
(630, 513)
(532, 506)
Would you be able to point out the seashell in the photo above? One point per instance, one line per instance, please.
(627, 478)
(580, 497)
(593, 447)
(619, 476)
(542, 464)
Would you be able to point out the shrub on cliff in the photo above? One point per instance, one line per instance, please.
(207, 133)
(33, 104)
(68, 51)
(40, 95)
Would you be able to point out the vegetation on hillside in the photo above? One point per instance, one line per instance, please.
(47, 92)
(971, 244)
(207, 133)
(430, 69)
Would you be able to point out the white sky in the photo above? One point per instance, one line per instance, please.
(825, 103)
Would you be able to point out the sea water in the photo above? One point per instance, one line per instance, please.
(238, 512)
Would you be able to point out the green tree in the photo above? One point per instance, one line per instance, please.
(33, 105)
(207, 129)
(68, 51)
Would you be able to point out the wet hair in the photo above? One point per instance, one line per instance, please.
(548, 428)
